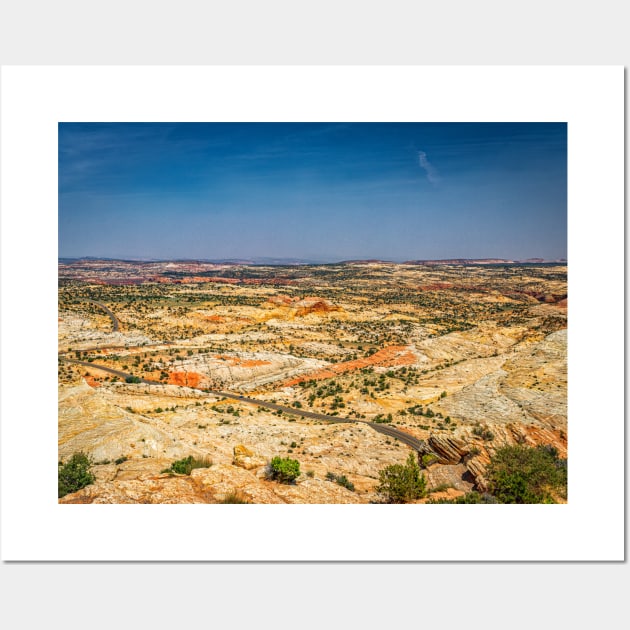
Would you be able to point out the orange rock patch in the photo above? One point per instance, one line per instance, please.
(185, 379)
(390, 356)
(301, 307)
(536, 436)
(91, 381)
(236, 361)
(215, 318)
(311, 305)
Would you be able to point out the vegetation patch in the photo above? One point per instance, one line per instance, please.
(234, 497)
(400, 483)
(521, 474)
(342, 480)
(187, 465)
(74, 474)
(284, 469)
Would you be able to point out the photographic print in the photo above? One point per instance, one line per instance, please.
(312, 313)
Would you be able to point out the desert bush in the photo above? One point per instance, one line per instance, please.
(484, 434)
(342, 480)
(522, 474)
(400, 483)
(74, 474)
(284, 469)
(428, 459)
(234, 497)
(186, 465)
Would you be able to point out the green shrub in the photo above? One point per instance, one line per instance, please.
(521, 474)
(401, 483)
(74, 474)
(381, 419)
(121, 460)
(234, 497)
(342, 480)
(186, 465)
(428, 459)
(484, 434)
(132, 379)
(284, 469)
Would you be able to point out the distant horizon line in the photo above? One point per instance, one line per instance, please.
(254, 260)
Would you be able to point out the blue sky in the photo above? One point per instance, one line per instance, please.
(318, 191)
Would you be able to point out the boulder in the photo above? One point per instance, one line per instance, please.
(247, 459)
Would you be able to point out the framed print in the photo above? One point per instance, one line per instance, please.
(339, 296)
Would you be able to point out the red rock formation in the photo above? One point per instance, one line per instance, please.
(386, 357)
(301, 307)
(185, 379)
(238, 362)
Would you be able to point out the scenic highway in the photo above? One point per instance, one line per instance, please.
(381, 428)
(112, 316)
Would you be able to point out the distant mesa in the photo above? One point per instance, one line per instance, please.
(484, 261)
(368, 261)
(462, 261)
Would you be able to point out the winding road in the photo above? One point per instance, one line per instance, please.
(397, 434)
(114, 319)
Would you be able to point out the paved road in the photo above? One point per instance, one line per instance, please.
(113, 317)
(381, 428)
(109, 370)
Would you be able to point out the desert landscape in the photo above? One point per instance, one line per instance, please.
(201, 382)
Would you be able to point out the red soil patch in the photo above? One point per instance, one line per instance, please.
(253, 363)
(390, 356)
(91, 381)
(535, 436)
(236, 361)
(185, 379)
(215, 318)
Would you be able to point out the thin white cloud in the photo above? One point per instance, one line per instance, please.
(432, 175)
